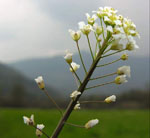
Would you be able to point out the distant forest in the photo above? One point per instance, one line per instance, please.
(19, 98)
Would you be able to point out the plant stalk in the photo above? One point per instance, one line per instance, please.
(90, 47)
(104, 76)
(80, 89)
(53, 101)
(81, 58)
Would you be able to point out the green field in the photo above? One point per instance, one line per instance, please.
(113, 123)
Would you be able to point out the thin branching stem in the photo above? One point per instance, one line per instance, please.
(53, 101)
(74, 125)
(99, 85)
(90, 47)
(41, 131)
(76, 81)
(109, 63)
(102, 28)
(96, 48)
(107, 51)
(81, 89)
(84, 102)
(81, 57)
(75, 73)
(113, 53)
(111, 74)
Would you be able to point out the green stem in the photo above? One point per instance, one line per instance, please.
(102, 28)
(74, 125)
(84, 102)
(76, 81)
(109, 63)
(53, 101)
(95, 49)
(81, 57)
(99, 85)
(75, 74)
(81, 89)
(111, 74)
(113, 53)
(90, 47)
(107, 51)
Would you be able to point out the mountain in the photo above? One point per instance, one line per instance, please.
(56, 72)
(13, 80)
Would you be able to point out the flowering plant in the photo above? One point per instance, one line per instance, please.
(113, 34)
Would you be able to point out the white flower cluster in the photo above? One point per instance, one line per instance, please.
(117, 25)
(30, 121)
(73, 66)
(74, 94)
(123, 72)
(39, 130)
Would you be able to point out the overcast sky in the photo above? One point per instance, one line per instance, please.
(39, 28)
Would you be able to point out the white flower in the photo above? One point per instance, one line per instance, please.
(124, 57)
(39, 80)
(39, 127)
(116, 45)
(119, 36)
(29, 121)
(77, 106)
(75, 94)
(91, 123)
(129, 27)
(91, 20)
(110, 99)
(68, 57)
(120, 79)
(97, 29)
(106, 11)
(131, 45)
(118, 33)
(75, 35)
(85, 29)
(110, 29)
(74, 66)
(124, 70)
(118, 22)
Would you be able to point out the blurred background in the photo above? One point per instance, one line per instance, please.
(33, 39)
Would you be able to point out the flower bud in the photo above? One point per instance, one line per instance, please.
(85, 29)
(124, 57)
(75, 35)
(124, 70)
(68, 57)
(131, 46)
(77, 106)
(38, 132)
(120, 79)
(29, 121)
(91, 123)
(39, 80)
(97, 29)
(110, 99)
(91, 20)
(74, 94)
(74, 66)
(116, 45)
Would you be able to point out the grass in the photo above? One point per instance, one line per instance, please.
(113, 123)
